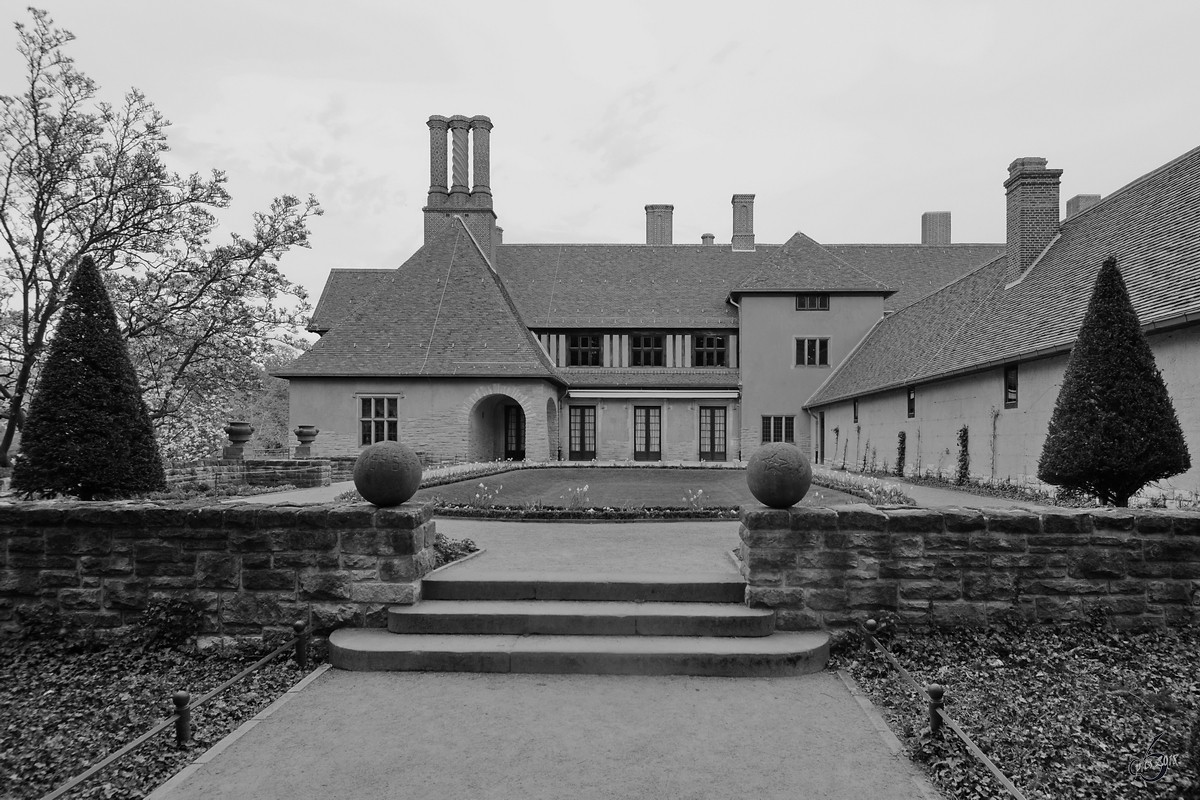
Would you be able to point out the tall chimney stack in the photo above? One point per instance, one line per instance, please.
(1032, 195)
(459, 188)
(437, 159)
(469, 138)
(1080, 203)
(481, 192)
(658, 224)
(935, 227)
(743, 223)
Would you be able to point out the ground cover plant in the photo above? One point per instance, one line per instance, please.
(69, 698)
(1080, 711)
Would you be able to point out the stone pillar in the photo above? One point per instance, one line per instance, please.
(437, 159)
(481, 191)
(458, 133)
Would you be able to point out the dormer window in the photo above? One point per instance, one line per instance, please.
(646, 350)
(584, 350)
(708, 351)
(812, 302)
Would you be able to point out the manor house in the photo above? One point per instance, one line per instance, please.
(476, 349)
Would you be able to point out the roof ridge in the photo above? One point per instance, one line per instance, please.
(1132, 184)
(913, 244)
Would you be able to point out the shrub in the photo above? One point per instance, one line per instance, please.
(168, 622)
(88, 432)
(900, 453)
(963, 475)
(1113, 429)
(448, 550)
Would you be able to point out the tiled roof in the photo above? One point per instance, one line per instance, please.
(706, 378)
(1151, 226)
(803, 265)
(669, 286)
(915, 270)
(343, 291)
(625, 285)
(444, 312)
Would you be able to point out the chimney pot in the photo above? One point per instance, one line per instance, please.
(935, 227)
(1080, 203)
(437, 159)
(659, 223)
(707, 238)
(1032, 212)
(743, 222)
(459, 127)
(481, 192)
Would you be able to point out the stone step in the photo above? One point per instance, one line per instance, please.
(580, 617)
(466, 583)
(780, 654)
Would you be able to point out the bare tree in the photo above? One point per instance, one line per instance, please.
(80, 177)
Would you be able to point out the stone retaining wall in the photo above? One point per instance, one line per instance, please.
(825, 568)
(342, 468)
(254, 567)
(215, 472)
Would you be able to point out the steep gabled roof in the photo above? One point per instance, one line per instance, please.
(915, 270)
(803, 265)
(1151, 226)
(343, 292)
(625, 285)
(445, 312)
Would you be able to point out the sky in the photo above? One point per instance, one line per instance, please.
(847, 120)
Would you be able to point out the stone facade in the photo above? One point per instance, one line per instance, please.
(254, 567)
(835, 567)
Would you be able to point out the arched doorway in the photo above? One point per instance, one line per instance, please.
(497, 429)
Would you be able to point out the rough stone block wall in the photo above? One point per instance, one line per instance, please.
(301, 473)
(254, 567)
(835, 567)
(342, 468)
(210, 472)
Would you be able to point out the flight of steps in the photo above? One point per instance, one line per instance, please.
(547, 622)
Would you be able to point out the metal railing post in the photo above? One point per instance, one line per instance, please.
(183, 725)
(936, 693)
(301, 629)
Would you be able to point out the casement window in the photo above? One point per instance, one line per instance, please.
(584, 350)
(712, 433)
(708, 351)
(856, 409)
(581, 433)
(779, 429)
(378, 419)
(912, 402)
(646, 350)
(812, 302)
(812, 352)
(1010, 386)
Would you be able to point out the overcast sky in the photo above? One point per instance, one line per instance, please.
(847, 120)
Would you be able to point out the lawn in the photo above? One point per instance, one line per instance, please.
(615, 488)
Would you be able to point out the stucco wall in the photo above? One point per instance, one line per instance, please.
(945, 406)
(437, 415)
(772, 383)
(680, 427)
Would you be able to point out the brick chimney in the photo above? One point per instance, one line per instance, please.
(658, 224)
(1081, 202)
(1032, 212)
(743, 222)
(468, 137)
(707, 238)
(935, 227)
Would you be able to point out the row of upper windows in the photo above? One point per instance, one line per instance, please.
(1010, 393)
(648, 350)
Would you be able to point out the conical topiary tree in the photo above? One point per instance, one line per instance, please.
(88, 432)
(1113, 429)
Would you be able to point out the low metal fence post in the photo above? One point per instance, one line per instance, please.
(183, 725)
(936, 693)
(301, 629)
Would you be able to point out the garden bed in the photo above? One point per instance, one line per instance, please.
(72, 699)
(1080, 711)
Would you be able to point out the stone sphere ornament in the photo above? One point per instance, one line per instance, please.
(387, 473)
(778, 475)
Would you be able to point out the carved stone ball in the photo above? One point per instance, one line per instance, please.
(779, 475)
(387, 473)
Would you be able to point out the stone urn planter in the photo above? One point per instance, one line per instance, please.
(239, 433)
(305, 434)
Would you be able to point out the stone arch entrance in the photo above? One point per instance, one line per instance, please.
(497, 429)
